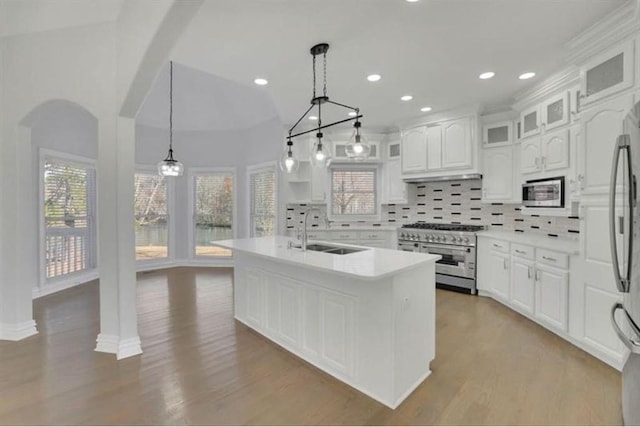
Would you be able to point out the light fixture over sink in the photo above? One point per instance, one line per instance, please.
(321, 154)
(169, 166)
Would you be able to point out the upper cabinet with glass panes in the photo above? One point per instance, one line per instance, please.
(553, 112)
(607, 73)
(497, 134)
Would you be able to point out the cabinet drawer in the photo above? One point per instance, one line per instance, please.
(344, 235)
(553, 258)
(499, 245)
(522, 251)
(374, 235)
(317, 235)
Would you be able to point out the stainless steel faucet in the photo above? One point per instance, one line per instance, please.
(303, 236)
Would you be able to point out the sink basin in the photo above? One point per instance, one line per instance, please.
(335, 250)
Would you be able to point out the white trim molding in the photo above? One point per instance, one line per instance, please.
(619, 25)
(563, 79)
(17, 331)
(121, 348)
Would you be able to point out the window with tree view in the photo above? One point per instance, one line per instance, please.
(69, 227)
(353, 192)
(150, 209)
(213, 212)
(262, 184)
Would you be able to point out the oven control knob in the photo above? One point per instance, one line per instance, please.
(466, 240)
(437, 238)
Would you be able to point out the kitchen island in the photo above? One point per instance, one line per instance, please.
(367, 318)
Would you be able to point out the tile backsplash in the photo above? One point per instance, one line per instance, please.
(453, 202)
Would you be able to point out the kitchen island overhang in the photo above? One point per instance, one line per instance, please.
(366, 318)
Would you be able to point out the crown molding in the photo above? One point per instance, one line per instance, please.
(441, 116)
(619, 25)
(563, 79)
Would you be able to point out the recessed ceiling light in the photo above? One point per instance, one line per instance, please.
(425, 109)
(353, 113)
(313, 118)
(374, 77)
(526, 76)
(261, 82)
(406, 98)
(487, 75)
(413, 1)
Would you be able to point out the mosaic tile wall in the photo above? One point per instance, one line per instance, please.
(455, 202)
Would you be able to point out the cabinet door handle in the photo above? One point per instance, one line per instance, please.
(495, 245)
(528, 272)
(518, 251)
(537, 275)
(504, 263)
(548, 258)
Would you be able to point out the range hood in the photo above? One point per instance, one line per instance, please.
(442, 178)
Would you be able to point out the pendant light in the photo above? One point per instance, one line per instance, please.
(357, 148)
(169, 166)
(288, 163)
(320, 155)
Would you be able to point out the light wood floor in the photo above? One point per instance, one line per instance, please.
(201, 367)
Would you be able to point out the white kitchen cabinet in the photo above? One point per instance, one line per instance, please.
(456, 144)
(395, 190)
(499, 268)
(498, 181)
(552, 287)
(548, 152)
(530, 120)
(600, 127)
(434, 147)
(530, 154)
(393, 149)
(414, 150)
(555, 111)
(319, 182)
(522, 283)
(497, 134)
(608, 73)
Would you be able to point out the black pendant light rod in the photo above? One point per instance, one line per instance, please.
(324, 127)
(342, 105)
(300, 119)
(170, 155)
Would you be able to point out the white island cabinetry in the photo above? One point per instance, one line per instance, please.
(367, 318)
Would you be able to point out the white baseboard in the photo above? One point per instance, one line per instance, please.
(107, 343)
(121, 348)
(17, 331)
(52, 288)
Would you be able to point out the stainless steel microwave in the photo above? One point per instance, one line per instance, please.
(543, 193)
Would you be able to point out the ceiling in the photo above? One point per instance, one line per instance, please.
(431, 49)
(32, 16)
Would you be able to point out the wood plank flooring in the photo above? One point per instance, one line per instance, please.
(201, 367)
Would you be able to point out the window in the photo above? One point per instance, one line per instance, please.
(213, 205)
(262, 191)
(353, 192)
(68, 203)
(150, 208)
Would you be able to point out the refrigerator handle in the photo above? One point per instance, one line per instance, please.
(623, 143)
(632, 344)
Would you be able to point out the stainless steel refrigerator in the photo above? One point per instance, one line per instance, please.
(624, 216)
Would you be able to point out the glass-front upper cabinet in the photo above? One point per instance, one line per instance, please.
(530, 119)
(607, 73)
(555, 111)
(497, 134)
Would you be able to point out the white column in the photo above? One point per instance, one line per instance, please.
(116, 238)
(18, 234)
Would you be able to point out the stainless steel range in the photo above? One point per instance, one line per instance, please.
(456, 243)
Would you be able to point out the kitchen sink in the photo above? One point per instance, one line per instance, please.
(335, 250)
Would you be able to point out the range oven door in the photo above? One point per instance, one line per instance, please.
(456, 260)
(408, 246)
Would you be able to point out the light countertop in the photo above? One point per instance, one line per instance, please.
(571, 247)
(369, 264)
